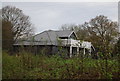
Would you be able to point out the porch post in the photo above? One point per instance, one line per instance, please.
(77, 51)
(84, 51)
(70, 51)
(90, 51)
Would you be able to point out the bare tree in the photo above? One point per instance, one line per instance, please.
(79, 29)
(72, 27)
(21, 25)
(101, 32)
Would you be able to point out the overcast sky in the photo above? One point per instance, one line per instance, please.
(51, 15)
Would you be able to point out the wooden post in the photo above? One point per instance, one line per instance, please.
(70, 51)
(84, 51)
(77, 51)
(90, 52)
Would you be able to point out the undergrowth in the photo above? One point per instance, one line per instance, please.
(28, 66)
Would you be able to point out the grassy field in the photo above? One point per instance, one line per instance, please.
(29, 66)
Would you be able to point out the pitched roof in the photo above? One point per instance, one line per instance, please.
(52, 35)
(64, 33)
(49, 37)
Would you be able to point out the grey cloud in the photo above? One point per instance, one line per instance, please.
(49, 15)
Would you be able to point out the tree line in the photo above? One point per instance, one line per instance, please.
(100, 31)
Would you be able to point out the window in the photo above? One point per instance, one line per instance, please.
(63, 37)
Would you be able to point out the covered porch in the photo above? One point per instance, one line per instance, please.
(76, 47)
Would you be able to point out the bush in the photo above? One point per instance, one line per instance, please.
(29, 66)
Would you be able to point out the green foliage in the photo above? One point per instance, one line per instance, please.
(28, 66)
(11, 67)
(117, 48)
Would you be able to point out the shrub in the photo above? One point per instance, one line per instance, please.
(29, 66)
